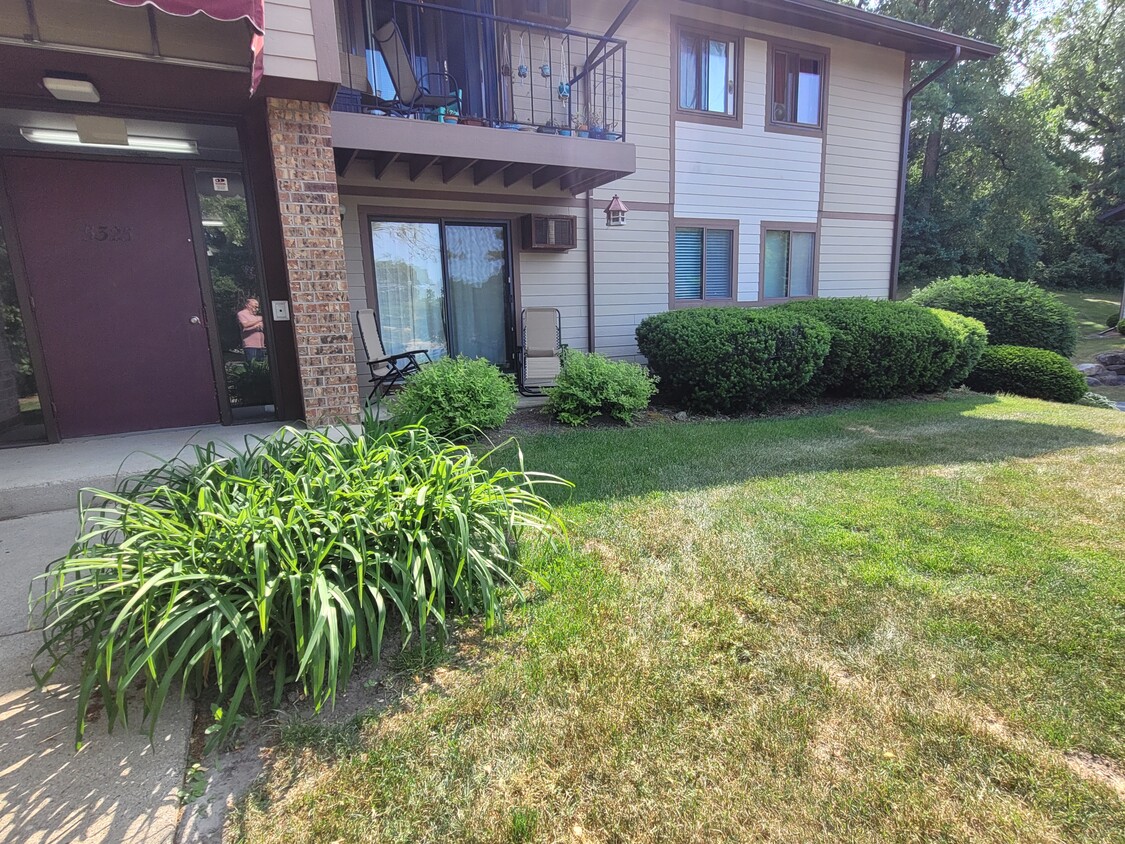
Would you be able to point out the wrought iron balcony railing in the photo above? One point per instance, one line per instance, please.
(440, 63)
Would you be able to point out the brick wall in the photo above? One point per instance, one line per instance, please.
(305, 173)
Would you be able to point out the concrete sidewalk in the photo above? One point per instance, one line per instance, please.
(118, 788)
(42, 478)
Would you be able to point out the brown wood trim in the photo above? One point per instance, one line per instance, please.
(423, 137)
(855, 24)
(701, 27)
(857, 215)
(771, 225)
(708, 223)
(325, 43)
(27, 313)
(825, 54)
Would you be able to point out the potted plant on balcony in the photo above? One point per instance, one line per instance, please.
(611, 133)
(597, 130)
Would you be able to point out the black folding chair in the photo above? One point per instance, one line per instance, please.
(386, 370)
(412, 96)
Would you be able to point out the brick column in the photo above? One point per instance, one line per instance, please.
(305, 174)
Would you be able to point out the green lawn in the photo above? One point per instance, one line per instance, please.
(902, 622)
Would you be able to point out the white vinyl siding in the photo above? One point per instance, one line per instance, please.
(855, 257)
(864, 121)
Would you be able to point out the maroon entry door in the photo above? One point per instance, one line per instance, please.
(111, 268)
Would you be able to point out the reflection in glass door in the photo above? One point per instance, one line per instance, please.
(21, 417)
(443, 287)
(408, 290)
(237, 293)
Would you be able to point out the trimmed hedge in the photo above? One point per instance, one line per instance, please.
(970, 337)
(453, 397)
(880, 349)
(731, 359)
(1016, 313)
(590, 385)
(1035, 373)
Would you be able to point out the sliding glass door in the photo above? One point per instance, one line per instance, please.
(444, 287)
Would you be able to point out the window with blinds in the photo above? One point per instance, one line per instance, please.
(704, 265)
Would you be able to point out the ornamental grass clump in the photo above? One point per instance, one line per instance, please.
(237, 575)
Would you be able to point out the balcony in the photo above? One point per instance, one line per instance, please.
(459, 91)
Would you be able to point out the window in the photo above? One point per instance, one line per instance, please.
(788, 263)
(708, 74)
(704, 264)
(796, 83)
(444, 287)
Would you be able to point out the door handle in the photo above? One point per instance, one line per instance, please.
(195, 321)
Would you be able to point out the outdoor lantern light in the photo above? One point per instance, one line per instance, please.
(615, 212)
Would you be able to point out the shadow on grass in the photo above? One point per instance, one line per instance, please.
(623, 463)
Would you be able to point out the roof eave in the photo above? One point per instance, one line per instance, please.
(921, 42)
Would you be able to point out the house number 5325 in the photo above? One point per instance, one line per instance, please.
(102, 233)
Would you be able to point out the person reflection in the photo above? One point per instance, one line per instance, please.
(253, 330)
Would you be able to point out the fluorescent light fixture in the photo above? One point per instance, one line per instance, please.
(213, 224)
(72, 89)
(70, 138)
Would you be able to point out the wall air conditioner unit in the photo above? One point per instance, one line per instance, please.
(543, 233)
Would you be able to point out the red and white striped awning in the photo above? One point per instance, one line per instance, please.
(253, 11)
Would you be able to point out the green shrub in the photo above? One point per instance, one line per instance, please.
(1035, 373)
(1112, 320)
(731, 359)
(1097, 400)
(970, 337)
(456, 396)
(1016, 313)
(590, 385)
(281, 564)
(249, 383)
(1121, 327)
(880, 348)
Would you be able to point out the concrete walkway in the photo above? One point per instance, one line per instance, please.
(119, 788)
(42, 478)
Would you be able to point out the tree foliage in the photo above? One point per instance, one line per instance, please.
(1012, 159)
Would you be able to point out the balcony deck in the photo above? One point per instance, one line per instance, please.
(573, 164)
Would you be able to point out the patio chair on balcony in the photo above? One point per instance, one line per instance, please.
(386, 370)
(540, 352)
(413, 96)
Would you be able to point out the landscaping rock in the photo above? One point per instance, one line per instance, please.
(681, 416)
(1111, 359)
(1093, 382)
(1092, 370)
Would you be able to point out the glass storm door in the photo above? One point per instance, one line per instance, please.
(443, 287)
(236, 291)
